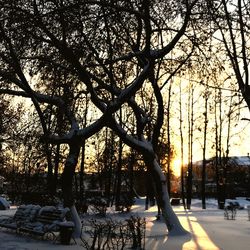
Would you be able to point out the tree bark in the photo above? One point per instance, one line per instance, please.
(57, 160)
(182, 149)
(203, 182)
(173, 224)
(118, 177)
(169, 140)
(67, 184)
(82, 166)
(190, 147)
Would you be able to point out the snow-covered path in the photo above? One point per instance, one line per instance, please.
(209, 231)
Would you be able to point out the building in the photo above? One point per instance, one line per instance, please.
(233, 173)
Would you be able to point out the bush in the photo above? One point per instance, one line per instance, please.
(125, 203)
(115, 235)
(98, 205)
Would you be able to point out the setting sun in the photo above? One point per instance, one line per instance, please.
(176, 167)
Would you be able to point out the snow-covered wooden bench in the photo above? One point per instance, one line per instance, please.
(23, 214)
(46, 223)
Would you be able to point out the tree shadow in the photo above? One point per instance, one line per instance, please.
(157, 237)
(199, 236)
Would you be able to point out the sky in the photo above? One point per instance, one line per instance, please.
(233, 106)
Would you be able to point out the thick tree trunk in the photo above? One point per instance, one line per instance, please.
(172, 222)
(77, 222)
(67, 184)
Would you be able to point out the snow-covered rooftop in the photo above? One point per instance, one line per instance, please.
(240, 160)
(234, 160)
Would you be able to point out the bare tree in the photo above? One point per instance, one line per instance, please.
(109, 50)
(190, 145)
(182, 147)
(203, 190)
(231, 21)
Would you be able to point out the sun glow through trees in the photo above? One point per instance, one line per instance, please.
(176, 167)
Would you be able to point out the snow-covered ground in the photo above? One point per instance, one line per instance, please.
(208, 230)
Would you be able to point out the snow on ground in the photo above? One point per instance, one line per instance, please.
(208, 230)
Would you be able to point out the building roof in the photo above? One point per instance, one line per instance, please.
(240, 160)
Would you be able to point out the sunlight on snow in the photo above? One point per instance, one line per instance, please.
(157, 238)
(200, 239)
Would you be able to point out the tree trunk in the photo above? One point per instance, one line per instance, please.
(50, 168)
(67, 184)
(190, 147)
(169, 140)
(118, 177)
(82, 173)
(131, 172)
(119, 170)
(57, 160)
(182, 150)
(82, 167)
(203, 180)
(170, 218)
(218, 150)
(189, 185)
